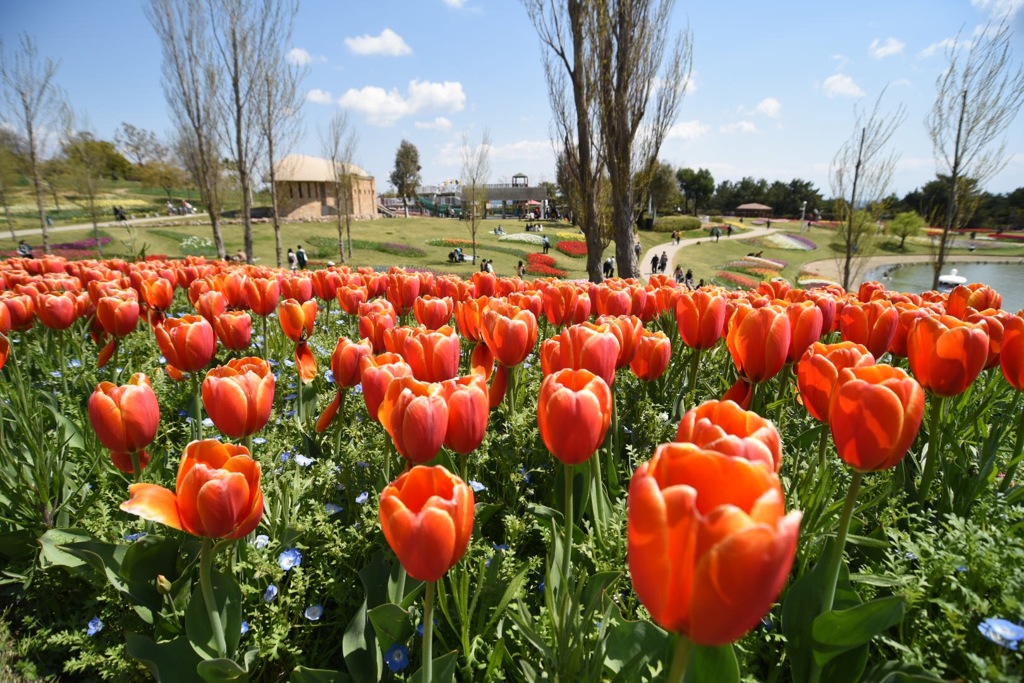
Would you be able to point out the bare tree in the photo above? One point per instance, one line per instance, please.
(860, 175)
(978, 96)
(639, 93)
(84, 166)
(339, 145)
(141, 146)
(33, 101)
(245, 34)
(561, 27)
(279, 117)
(10, 162)
(476, 169)
(190, 88)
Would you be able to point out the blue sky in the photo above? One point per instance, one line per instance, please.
(773, 91)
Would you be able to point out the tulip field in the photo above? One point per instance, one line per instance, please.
(222, 472)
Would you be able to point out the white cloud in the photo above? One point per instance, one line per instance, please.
(440, 123)
(298, 56)
(841, 60)
(524, 150)
(691, 83)
(999, 8)
(385, 107)
(769, 107)
(318, 96)
(738, 127)
(841, 85)
(688, 130)
(890, 47)
(457, 4)
(388, 44)
(946, 44)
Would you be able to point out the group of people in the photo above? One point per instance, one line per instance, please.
(609, 267)
(684, 279)
(659, 263)
(456, 255)
(185, 209)
(487, 266)
(297, 259)
(534, 227)
(119, 214)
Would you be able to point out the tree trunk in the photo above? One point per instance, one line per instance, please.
(273, 200)
(594, 255)
(850, 236)
(37, 184)
(954, 195)
(625, 256)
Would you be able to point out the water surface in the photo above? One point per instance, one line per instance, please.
(1005, 278)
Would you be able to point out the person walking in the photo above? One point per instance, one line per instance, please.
(520, 270)
(293, 262)
(663, 262)
(24, 250)
(547, 244)
(654, 264)
(300, 255)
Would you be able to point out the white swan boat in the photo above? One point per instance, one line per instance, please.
(952, 279)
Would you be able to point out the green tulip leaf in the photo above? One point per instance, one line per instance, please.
(301, 674)
(712, 664)
(227, 598)
(836, 632)
(173, 661)
(219, 670)
(442, 669)
(898, 672)
(634, 644)
(391, 624)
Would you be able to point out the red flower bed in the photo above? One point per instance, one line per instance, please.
(573, 248)
(543, 264)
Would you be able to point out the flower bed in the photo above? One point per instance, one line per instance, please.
(573, 248)
(543, 264)
(788, 240)
(527, 237)
(733, 279)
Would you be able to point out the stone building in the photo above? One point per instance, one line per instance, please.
(305, 189)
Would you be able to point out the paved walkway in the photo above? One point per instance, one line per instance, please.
(670, 249)
(31, 232)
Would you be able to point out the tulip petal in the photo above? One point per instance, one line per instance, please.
(154, 503)
(221, 502)
(324, 421)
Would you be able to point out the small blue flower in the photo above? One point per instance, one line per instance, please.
(363, 497)
(56, 373)
(207, 422)
(397, 658)
(183, 413)
(962, 568)
(358, 389)
(476, 486)
(262, 541)
(163, 360)
(289, 413)
(419, 628)
(95, 626)
(289, 363)
(303, 460)
(131, 538)
(270, 594)
(286, 456)
(273, 363)
(329, 376)
(259, 440)
(290, 397)
(500, 547)
(332, 509)
(289, 558)
(314, 612)
(245, 627)
(1001, 632)
(362, 465)
(74, 363)
(540, 587)
(910, 557)
(525, 473)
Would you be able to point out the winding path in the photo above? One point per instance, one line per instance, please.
(671, 249)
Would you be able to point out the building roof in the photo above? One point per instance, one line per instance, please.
(753, 207)
(302, 168)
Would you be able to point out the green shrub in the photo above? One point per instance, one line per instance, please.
(673, 223)
(717, 219)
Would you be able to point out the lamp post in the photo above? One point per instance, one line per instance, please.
(803, 210)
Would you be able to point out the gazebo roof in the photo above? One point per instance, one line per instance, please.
(302, 168)
(753, 207)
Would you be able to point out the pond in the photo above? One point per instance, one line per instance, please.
(1005, 278)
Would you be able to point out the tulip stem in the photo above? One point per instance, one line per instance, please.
(136, 466)
(836, 558)
(1018, 445)
(206, 556)
(680, 658)
(694, 364)
(934, 444)
(567, 531)
(247, 442)
(197, 407)
(428, 633)
(265, 348)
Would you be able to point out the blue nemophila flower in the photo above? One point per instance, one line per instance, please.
(56, 373)
(245, 627)
(303, 460)
(357, 389)
(362, 465)
(362, 497)
(95, 626)
(183, 413)
(419, 628)
(273, 363)
(500, 547)
(289, 558)
(289, 363)
(397, 658)
(1002, 632)
(910, 557)
(476, 486)
(262, 541)
(525, 473)
(131, 538)
(74, 363)
(332, 509)
(291, 396)
(163, 360)
(289, 413)
(270, 594)
(259, 440)
(540, 587)
(286, 456)
(329, 376)
(962, 568)
(207, 422)
(314, 612)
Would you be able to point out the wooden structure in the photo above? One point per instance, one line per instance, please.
(305, 189)
(754, 211)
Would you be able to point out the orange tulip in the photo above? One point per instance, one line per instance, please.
(427, 518)
(57, 311)
(375, 318)
(867, 290)
(741, 393)
(22, 310)
(700, 316)
(582, 347)
(509, 332)
(908, 315)
(758, 340)
(295, 287)
(218, 493)
(305, 362)
(157, 292)
(433, 355)
(818, 371)
(468, 410)
(710, 545)
(376, 374)
(565, 304)
(5, 330)
(415, 414)
(774, 289)
(262, 294)
(627, 329)
(993, 321)
(211, 304)
(125, 418)
(351, 297)
(432, 312)
(484, 284)
(613, 301)
(234, 329)
(239, 396)
(945, 354)
(872, 324)
(188, 344)
(326, 283)
(468, 316)
(402, 290)
(725, 427)
(1011, 357)
(345, 364)
(967, 299)
(578, 398)
(652, 356)
(874, 415)
(297, 319)
(119, 315)
(805, 324)
(481, 361)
